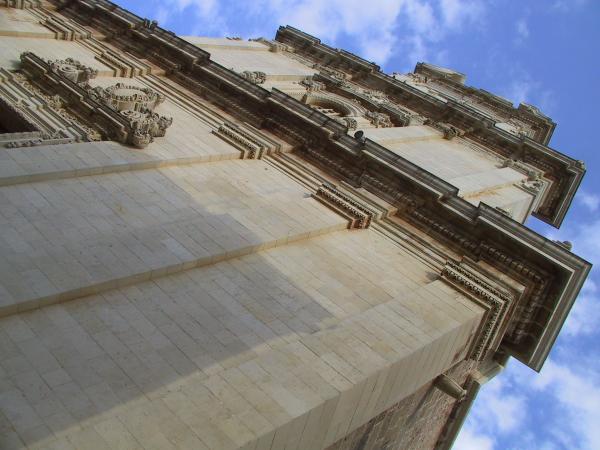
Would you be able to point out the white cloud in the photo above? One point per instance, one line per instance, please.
(568, 5)
(524, 88)
(578, 396)
(471, 439)
(520, 90)
(585, 315)
(589, 200)
(373, 30)
(503, 410)
(522, 29)
(457, 12)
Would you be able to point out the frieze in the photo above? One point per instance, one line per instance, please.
(23, 4)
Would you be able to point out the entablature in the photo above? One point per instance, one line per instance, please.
(566, 173)
(552, 275)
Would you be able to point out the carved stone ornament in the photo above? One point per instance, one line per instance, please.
(532, 186)
(146, 125)
(358, 216)
(522, 167)
(122, 112)
(337, 74)
(376, 96)
(274, 46)
(73, 70)
(380, 120)
(450, 132)
(136, 104)
(123, 97)
(312, 85)
(254, 76)
(350, 122)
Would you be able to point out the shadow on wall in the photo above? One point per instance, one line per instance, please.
(146, 345)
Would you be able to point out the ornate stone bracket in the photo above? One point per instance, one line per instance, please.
(250, 147)
(357, 215)
(274, 46)
(450, 131)
(349, 122)
(450, 387)
(491, 299)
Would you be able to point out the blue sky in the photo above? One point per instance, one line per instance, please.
(544, 52)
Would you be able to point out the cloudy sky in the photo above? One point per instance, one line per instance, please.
(544, 52)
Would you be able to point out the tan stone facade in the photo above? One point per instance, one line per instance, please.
(269, 244)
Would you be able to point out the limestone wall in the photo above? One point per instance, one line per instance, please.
(190, 295)
(479, 177)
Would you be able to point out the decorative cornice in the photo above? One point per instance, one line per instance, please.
(357, 214)
(250, 147)
(491, 299)
(551, 274)
(566, 173)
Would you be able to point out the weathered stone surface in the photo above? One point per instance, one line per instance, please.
(252, 276)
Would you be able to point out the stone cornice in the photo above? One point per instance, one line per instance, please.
(455, 82)
(565, 172)
(552, 274)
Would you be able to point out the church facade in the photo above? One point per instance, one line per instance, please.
(263, 245)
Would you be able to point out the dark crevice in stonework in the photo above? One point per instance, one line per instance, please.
(413, 423)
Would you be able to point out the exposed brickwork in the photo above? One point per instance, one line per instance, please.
(413, 423)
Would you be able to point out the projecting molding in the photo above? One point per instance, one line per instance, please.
(551, 274)
(565, 172)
